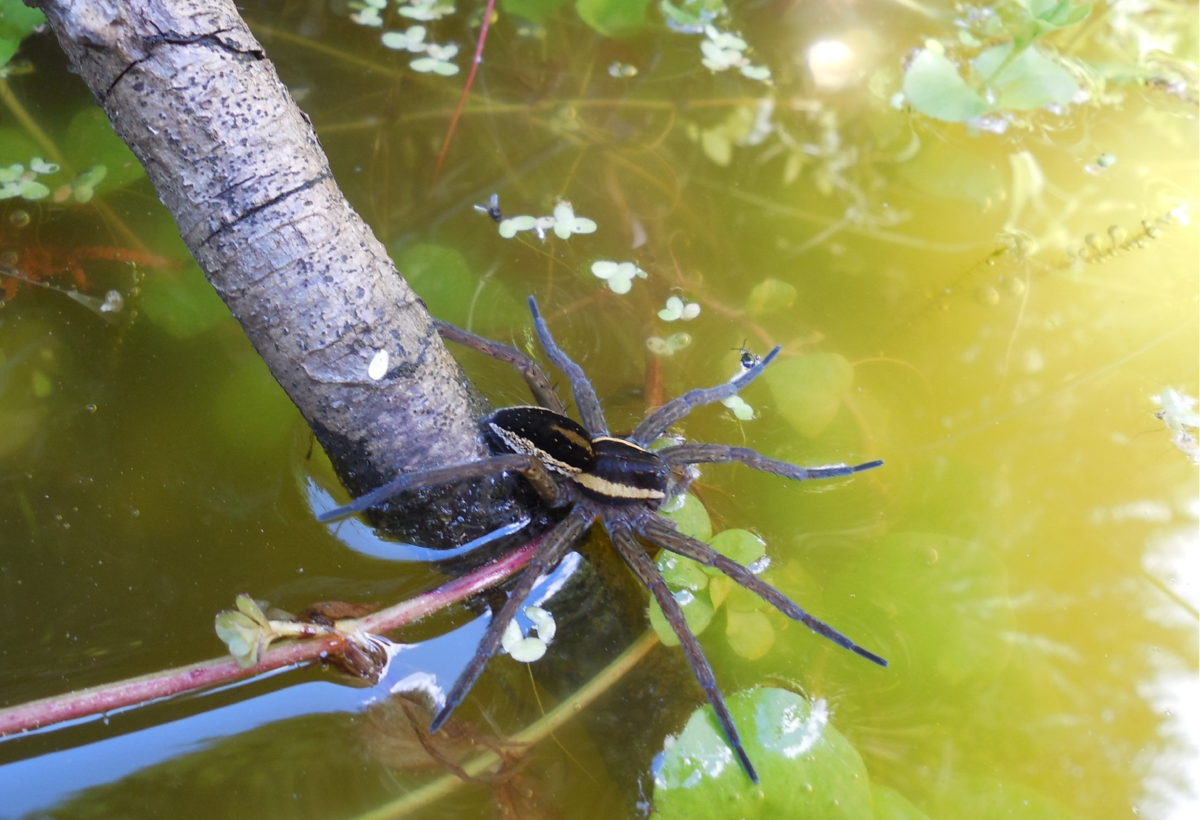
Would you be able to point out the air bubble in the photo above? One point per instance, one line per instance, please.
(987, 296)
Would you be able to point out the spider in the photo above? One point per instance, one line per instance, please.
(618, 481)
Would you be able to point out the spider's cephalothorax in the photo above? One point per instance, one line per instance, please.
(605, 469)
(617, 481)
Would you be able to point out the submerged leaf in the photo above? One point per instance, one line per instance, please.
(750, 633)
(891, 805)
(808, 389)
(613, 18)
(770, 295)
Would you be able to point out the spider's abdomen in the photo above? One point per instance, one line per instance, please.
(623, 473)
(558, 442)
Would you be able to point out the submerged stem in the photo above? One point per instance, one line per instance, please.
(535, 732)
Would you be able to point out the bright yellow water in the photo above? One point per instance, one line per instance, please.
(1026, 558)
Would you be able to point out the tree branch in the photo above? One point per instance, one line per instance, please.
(239, 166)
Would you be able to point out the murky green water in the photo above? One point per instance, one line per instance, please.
(994, 314)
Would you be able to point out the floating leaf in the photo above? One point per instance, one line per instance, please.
(756, 72)
(618, 276)
(678, 309)
(425, 10)
(512, 226)
(32, 190)
(682, 573)
(412, 39)
(933, 86)
(691, 16)
(566, 223)
(40, 166)
(807, 768)
(668, 346)
(1031, 80)
(808, 389)
(697, 611)
(741, 546)
(691, 518)
(740, 409)
(437, 61)
(17, 21)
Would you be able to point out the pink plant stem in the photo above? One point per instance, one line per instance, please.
(109, 697)
(462, 100)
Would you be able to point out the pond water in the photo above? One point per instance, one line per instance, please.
(977, 248)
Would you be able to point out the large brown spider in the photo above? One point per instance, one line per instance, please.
(616, 480)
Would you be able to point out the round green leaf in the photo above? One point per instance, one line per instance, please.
(750, 634)
(691, 519)
(770, 295)
(891, 805)
(682, 573)
(933, 86)
(807, 768)
(90, 141)
(17, 21)
(697, 611)
(808, 389)
(1031, 80)
(183, 304)
(741, 546)
(934, 605)
(613, 18)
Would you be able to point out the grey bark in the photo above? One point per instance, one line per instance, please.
(237, 163)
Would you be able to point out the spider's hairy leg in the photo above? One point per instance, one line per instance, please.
(646, 571)
(539, 385)
(531, 468)
(655, 424)
(662, 532)
(723, 454)
(555, 544)
(585, 396)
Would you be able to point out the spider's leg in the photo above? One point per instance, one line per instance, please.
(530, 467)
(646, 571)
(655, 424)
(662, 532)
(554, 545)
(585, 396)
(722, 454)
(539, 385)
